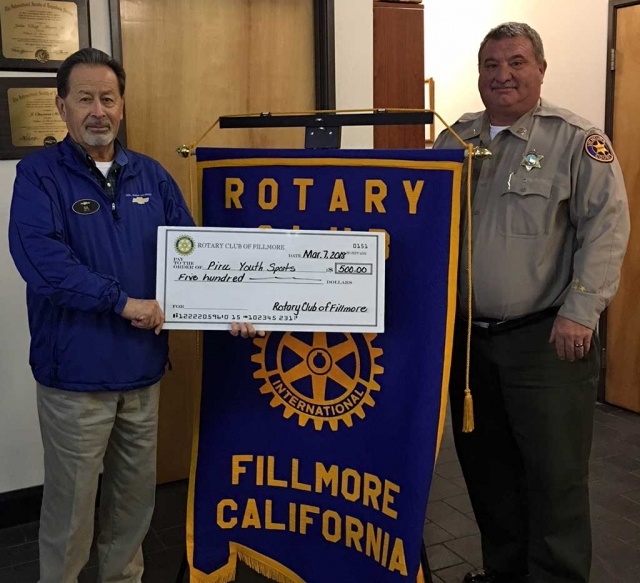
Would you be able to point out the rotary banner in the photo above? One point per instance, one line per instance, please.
(314, 451)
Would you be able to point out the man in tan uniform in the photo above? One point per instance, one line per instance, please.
(549, 231)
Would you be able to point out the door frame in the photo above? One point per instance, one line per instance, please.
(324, 48)
(614, 6)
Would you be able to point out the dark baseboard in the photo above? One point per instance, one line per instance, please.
(20, 506)
(23, 506)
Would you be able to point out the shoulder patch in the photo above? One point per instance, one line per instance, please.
(597, 148)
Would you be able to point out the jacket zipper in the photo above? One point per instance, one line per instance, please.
(111, 193)
(114, 211)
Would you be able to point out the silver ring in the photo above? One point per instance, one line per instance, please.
(578, 345)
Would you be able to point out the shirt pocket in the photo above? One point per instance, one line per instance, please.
(524, 208)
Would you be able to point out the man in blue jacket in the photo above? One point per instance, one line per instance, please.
(83, 231)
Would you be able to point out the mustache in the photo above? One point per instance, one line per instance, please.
(96, 123)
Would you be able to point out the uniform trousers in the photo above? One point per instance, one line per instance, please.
(82, 432)
(526, 464)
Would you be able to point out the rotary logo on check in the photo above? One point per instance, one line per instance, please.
(185, 245)
(318, 376)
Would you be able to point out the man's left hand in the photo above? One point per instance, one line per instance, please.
(572, 340)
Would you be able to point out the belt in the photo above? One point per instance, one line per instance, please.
(491, 326)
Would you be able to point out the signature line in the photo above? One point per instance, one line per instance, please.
(283, 278)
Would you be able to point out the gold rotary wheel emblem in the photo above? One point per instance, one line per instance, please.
(326, 378)
(185, 245)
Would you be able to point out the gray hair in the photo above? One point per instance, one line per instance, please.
(92, 57)
(514, 30)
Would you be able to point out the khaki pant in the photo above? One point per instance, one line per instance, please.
(81, 433)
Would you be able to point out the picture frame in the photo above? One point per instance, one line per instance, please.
(29, 120)
(39, 36)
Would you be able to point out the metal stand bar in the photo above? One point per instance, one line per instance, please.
(381, 117)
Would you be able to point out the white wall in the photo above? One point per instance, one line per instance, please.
(574, 33)
(20, 446)
(354, 65)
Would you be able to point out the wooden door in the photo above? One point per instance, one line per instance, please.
(188, 63)
(398, 69)
(623, 316)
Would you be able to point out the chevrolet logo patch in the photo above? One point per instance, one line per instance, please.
(140, 200)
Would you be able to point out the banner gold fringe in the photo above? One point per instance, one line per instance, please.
(224, 576)
(269, 570)
(260, 564)
(257, 562)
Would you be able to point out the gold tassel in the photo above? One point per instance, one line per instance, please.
(468, 422)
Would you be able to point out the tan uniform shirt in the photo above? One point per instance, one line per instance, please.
(553, 235)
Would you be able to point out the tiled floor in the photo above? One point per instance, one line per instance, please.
(450, 532)
(163, 548)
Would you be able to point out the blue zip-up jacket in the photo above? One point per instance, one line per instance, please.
(83, 249)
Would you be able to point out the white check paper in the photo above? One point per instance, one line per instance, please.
(331, 281)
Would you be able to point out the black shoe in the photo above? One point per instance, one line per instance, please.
(489, 576)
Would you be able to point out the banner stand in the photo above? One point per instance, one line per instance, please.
(324, 131)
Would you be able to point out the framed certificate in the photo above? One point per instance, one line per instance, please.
(38, 36)
(29, 119)
(276, 279)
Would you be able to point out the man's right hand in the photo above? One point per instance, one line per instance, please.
(144, 314)
(245, 329)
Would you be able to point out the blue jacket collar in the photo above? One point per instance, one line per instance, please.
(73, 153)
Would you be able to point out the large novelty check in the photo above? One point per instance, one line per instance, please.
(331, 281)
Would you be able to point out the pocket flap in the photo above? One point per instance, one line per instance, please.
(526, 186)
